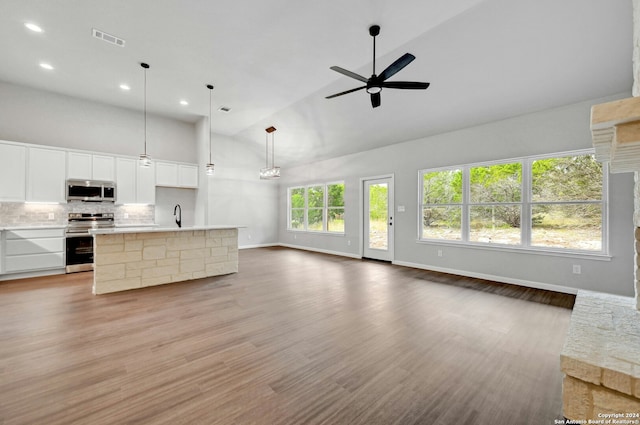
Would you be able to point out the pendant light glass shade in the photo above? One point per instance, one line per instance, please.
(270, 172)
(210, 166)
(145, 160)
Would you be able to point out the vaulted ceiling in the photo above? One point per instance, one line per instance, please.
(269, 61)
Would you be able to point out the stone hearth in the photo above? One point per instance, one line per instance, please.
(601, 358)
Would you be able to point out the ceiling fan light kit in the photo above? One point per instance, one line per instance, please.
(376, 83)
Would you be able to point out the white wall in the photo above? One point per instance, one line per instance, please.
(44, 118)
(237, 195)
(166, 200)
(556, 130)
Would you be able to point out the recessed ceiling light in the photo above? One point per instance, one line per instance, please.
(125, 87)
(33, 27)
(46, 66)
(184, 102)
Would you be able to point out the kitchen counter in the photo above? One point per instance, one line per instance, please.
(156, 229)
(136, 257)
(26, 227)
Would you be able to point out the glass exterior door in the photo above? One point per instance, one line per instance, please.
(378, 219)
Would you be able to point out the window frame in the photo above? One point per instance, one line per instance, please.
(526, 208)
(325, 208)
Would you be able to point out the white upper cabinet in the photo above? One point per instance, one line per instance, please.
(166, 174)
(13, 172)
(171, 174)
(79, 165)
(103, 167)
(126, 169)
(146, 184)
(188, 176)
(90, 167)
(46, 173)
(134, 184)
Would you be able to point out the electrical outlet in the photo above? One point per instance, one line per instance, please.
(52, 216)
(400, 208)
(248, 236)
(126, 215)
(295, 236)
(349, 242)
(577, 269)
(439, 253)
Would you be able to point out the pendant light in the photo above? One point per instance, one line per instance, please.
(145, 160)
(210, 166)
(270, 172)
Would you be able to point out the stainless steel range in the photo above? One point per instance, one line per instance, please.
(80, 242)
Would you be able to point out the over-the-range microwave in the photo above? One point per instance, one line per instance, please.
(91, 191)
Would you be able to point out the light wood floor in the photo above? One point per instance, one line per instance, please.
(293, 338)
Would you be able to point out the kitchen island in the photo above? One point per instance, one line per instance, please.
(137, 257)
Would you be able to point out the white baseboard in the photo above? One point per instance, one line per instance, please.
(264, 245)
(501, 279)
(25, 275)
(323, 251)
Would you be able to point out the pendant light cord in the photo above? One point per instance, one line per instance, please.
(266, 147)
(210, 124)
(145, 110)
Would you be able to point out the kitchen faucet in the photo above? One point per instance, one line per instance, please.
(177, 211)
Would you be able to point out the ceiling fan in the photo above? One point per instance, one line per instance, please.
(376, 83)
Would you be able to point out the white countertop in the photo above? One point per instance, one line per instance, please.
(147, 229)
(27, 227)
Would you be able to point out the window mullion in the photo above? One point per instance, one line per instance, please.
(325, 208)
(527, 196)
(466, 200)
(306, 208)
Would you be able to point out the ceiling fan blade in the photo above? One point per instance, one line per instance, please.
(375, 99)
(345, 92)
(400, 63)
(349, 73)
(410, 85)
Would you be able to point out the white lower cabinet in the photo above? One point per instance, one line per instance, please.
(34, 249)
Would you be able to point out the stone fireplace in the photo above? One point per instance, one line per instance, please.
(601, 356)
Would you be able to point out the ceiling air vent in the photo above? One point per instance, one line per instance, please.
(224, 109)
(112, 39)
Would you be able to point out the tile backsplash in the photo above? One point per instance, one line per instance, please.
(21, 214)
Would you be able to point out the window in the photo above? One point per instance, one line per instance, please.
(442, 205)
(566, 203)
(296, 208)
(495, 203)
(317, 208)
(552, 202)
(335, 207)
